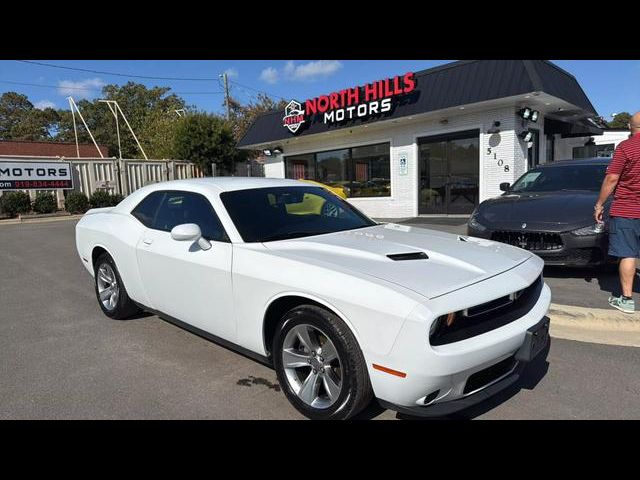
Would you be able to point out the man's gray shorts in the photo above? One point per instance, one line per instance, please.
(624, 237)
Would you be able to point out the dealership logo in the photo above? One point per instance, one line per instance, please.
(293, 116)
(358, 102)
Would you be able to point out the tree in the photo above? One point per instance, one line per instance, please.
(242, 116)
(150, 111)
(620, 120)
(20, 120)
(205, 138)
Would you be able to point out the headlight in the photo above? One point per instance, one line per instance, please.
(475, 224)
(594, 229)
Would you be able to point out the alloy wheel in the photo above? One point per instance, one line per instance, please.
(312, 366)
(108, 289)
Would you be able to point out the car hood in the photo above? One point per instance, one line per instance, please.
(555, 211)
(453, 261)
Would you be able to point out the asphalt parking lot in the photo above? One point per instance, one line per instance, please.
(61, 358)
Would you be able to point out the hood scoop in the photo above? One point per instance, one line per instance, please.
(399, 257)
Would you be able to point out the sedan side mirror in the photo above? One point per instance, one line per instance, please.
(190, 232)
(505, 186)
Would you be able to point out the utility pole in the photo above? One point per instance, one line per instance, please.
(226, 94)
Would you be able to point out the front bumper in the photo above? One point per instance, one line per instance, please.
(521, 359)
(587, 250)
(432, 375)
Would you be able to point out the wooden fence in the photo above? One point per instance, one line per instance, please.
(115, 175)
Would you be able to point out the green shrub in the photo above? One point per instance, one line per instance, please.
(13, 203)
(116, 198)
(76, 202)
(45, 203)
(102, 198)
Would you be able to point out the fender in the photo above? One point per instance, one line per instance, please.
(312, 297)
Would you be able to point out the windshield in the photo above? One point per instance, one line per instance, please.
(557, 178)
(279, 213)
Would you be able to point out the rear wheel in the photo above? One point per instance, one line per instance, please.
(319, 364)
(110, 292)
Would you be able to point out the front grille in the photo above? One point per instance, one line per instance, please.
(576, 255)
(536, 241)
(488, 375)
(487, 316)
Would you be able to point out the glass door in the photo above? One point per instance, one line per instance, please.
(449, 173)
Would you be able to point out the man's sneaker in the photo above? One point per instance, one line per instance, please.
(622, 304)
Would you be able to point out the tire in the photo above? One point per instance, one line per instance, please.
(118, 306)
(348, 371)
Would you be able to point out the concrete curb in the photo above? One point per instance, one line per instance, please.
(24, 221)
(595, 325)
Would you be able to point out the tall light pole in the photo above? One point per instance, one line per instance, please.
(226, 94)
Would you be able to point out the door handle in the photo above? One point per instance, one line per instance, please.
(147, 241)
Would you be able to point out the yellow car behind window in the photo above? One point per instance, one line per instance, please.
(340, 191)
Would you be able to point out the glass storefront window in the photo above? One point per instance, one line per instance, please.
(361, 171)
(332, 167)
(371, 171)
(301, 167)
(594, 151)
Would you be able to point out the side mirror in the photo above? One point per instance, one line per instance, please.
(505, 186)
(190, 232)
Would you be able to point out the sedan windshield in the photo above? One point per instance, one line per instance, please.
(280, 213)
(558, 178)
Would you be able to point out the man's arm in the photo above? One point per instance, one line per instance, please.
(608, 186)
(610, 181)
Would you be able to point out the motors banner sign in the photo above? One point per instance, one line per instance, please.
(35, 175)
(358, 102)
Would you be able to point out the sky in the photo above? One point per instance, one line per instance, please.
(611, 85)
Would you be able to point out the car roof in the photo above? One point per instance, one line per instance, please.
(576, 161)
(228, 184)
(215, 185)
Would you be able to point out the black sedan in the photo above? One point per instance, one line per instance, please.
(549, 211)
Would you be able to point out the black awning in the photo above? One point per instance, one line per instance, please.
(582, 127)
(455, 84)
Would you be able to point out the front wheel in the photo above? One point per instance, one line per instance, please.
(319, 364)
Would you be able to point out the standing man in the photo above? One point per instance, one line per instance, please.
(623, 176)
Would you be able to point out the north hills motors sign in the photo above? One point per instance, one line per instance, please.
(358, 102)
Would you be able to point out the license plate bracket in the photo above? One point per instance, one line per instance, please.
(535, 341)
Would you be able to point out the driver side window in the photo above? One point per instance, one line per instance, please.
(164, 210)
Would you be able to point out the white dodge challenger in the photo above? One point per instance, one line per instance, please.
(343, 308)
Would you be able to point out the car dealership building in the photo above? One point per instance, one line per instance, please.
(434, 142)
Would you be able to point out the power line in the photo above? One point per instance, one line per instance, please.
(256, 90)
(87, 89)
(100, 72)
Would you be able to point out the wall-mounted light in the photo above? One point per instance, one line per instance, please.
(525, 113)
(526, 135)
(277, 151)
(494, 128)
(529, 114)
(590, 142)
(267, 152)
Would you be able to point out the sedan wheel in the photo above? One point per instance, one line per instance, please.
(108, 290)
(312, 366)
(319, 364)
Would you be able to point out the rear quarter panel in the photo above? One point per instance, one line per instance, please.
(118, 234)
